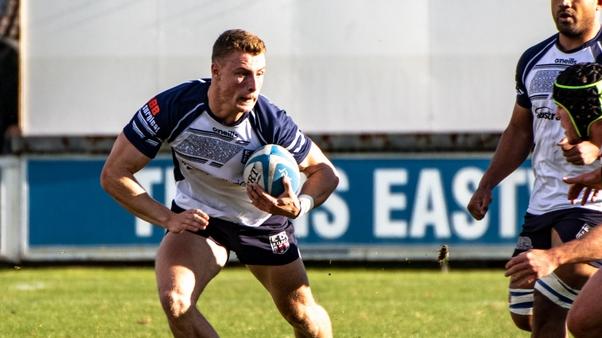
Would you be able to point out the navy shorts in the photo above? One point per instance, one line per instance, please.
(272, 243)
(570, 224)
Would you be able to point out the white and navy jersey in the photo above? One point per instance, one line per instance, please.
(535, 75)
(209, 156)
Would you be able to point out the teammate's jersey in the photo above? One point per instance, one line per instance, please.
(209, 156)
(535, 75)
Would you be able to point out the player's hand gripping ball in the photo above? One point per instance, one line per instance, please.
(268, 165)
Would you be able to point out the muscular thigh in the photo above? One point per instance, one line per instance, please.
(286, 283)
(186, 262)
(575, 275)
(588, 306)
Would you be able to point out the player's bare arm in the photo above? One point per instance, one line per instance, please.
(589, 183)
(513, 148)
(321, 182)
(525, 268)
(583, 153)
(533, 264)
(117, 179)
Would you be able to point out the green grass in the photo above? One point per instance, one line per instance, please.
(380, 302)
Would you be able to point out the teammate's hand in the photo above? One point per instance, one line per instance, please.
(479, 203)
(287, 204)
(191, 220)
(590, 183)
(527, 267)
(582, 153)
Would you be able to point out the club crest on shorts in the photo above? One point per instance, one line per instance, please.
(584, 229)
(279, 243)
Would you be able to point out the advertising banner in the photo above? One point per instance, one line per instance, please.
(383, 202)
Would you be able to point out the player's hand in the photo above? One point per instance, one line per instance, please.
(527, 267)
(589, 183)
(479, 203)
(191, 220)
(582, 153)
(287, 204)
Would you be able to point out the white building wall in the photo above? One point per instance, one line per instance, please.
(360, 66)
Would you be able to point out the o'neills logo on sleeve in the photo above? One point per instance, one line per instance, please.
(153, 105)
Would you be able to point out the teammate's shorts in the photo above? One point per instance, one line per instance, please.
(570, 224)
(272, 243)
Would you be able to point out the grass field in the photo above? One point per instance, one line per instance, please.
(377, 302)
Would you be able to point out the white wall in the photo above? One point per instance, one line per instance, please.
(336, 66)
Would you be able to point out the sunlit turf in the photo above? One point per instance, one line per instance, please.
(362, 302)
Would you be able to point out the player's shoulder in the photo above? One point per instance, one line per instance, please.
(539, 48)
(267, 112)
(266, 106)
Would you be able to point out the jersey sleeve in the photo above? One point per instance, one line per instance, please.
(522, 96)
(153, 122)
(277, 127)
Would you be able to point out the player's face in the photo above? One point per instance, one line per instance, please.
(575, 18)
(569, 130)
(238, 79)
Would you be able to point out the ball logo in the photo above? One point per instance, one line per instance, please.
(267, 167)
(254, 175)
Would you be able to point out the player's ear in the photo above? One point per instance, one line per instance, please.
(215, 68)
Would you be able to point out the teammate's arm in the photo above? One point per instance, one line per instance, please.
(321, 182)
(513, 148)
(534, 264)
(117, 179)
(583, 153)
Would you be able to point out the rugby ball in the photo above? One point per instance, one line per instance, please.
(268, 165)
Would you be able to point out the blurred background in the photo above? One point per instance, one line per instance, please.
(408, 98)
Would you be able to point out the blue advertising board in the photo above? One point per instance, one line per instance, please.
(380, 201)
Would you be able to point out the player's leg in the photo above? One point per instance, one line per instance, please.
(535, 233)
(554, 294)
(520, 305)
(184, 265)
(585, 317)
(289, 287)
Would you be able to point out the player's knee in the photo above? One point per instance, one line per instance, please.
(175, 304)
(296, 313)
(520, 306)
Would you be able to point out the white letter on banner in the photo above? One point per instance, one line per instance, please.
(429, 191)
(385, 201)
(147, 177)
(508, 200)
(337, 208)
(464, 225)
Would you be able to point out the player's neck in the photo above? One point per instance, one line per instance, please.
(219, 110)
(569, 43)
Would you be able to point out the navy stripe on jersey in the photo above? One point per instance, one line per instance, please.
(274, 126)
